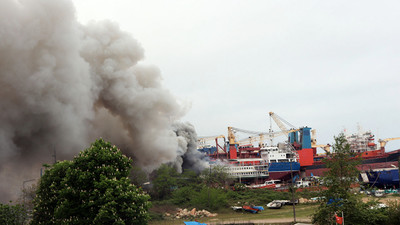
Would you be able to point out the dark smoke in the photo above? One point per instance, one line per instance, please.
(64, 84)
(188, 156)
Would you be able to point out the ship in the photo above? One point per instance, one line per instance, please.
(374, 159)
(279, 161)
(269, 184)
(377, 167)
(381, 178)
(298, 155)
(282, 161)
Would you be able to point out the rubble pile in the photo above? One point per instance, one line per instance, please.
(185, 213)
(305, 200)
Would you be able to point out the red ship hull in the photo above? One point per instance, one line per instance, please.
(386, 160)
(286, 175)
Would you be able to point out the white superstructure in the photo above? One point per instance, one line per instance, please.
(275, 154)
(248, 171)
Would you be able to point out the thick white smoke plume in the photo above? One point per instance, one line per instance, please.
(64, 84)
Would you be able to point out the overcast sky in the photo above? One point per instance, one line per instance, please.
(329, 65)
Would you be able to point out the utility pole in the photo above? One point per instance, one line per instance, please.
(209, 179)
(293, 200)
(54, 155)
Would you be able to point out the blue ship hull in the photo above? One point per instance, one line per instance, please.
(383, 178)
(283, 166)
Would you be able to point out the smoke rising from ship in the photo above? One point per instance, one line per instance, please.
(64, 84)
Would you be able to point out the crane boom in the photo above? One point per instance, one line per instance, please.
(247, 131)
(260, 138)
(203, 140)
(327, 147)
(257, 136)
(261, 135)
(384, 141)
(279, 121)
(233, 130)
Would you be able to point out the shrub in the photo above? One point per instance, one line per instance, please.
(210, 198)
(393, 213)
(183, 195)
(13, 214)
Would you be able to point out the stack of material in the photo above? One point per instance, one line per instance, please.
(185, 213)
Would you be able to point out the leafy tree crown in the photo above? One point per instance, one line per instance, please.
(94, 188)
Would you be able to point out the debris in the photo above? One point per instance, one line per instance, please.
(185, 213)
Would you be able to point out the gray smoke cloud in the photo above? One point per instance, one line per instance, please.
(64, 84)
(188, 156)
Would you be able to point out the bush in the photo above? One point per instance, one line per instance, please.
(393, 213)
(183, 195)
(13, 214)
(164, 181)
(355, 212)
(209, 198)
(239, 187)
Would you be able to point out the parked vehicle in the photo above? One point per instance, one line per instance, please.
(237, 208)
(303, 183)
(379, 193)
(275, 205)
(251, 209)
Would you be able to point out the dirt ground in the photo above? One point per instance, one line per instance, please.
(384, 200)
(267, 221)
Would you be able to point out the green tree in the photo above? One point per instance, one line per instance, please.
(339, 198)
(182, 196)
(13, 214)
(338, 179)
(209, 198)
(216, 176)
(137, 176)
(94, 188)
(164, 181)
(343, 172)
(188, 178)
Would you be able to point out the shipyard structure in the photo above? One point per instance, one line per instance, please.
(259, 165)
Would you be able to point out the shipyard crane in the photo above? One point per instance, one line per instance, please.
(261, 135)
(279, 121)
(260, 138)
(231, 136)
(203, 140)
(313, 137)
(327, 147)
(384, 141)
(257, 136)
(233, 130)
